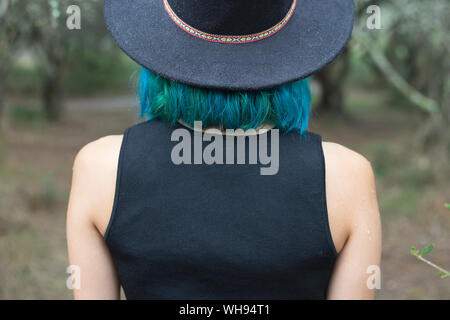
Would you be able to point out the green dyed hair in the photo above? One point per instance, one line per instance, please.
(287, 106)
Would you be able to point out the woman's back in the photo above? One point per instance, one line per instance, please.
(226, 231)
(220, 231)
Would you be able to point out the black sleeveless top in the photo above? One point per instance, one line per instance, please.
(219, 231)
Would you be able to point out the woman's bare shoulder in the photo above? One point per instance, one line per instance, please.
(350, 190)
(99, 151)
(347, 171)
(344, 157)
(350, 168)
(94, 180)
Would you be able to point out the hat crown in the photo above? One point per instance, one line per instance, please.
(231, 17)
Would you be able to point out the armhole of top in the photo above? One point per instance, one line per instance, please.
(324, 201)
(117, 191)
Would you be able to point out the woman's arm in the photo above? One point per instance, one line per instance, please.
(90, 206)
(352, 199)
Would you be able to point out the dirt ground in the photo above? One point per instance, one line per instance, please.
(35, 175)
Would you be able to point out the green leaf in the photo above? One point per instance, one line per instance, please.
(443, 275)
(427, 250)
(414, 251)
(447, 205)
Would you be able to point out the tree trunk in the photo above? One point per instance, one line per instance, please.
(2, 99)
(52, 95)
(331, 80)
(3, 110)
(331, 100)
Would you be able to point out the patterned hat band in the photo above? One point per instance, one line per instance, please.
(233, 39)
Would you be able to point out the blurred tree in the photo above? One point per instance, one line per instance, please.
(332, 83)
(332, 78)
(57, 46)
(15, 30)
(411, 51)
(40, 27)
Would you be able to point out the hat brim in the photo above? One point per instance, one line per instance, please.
(314, 36)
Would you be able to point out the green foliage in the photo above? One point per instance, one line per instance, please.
(2, 150)
(442, 272)
(418, 177)
(427, 250)
(420, 255)
(382, 158)
(413, 35)
(24, 80)
(424, 251)
(403, 201)
(37, 29)
(96, 71)
(49, 191)
(25, 115)
(84, 61)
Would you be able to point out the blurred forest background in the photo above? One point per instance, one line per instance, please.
(387, 96)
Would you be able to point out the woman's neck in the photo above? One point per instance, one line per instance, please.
(261, 129)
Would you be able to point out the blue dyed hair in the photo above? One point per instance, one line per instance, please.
(287, 106)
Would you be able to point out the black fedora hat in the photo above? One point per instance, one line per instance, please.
(231, 44)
